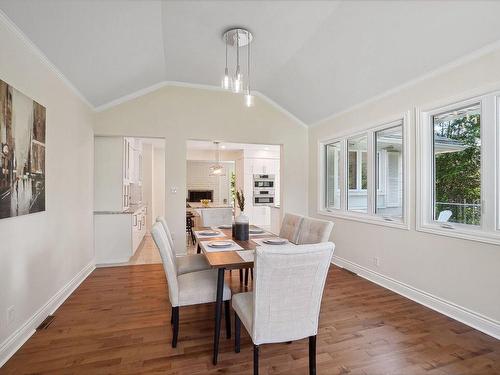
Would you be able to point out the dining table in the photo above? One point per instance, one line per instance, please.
(226, 259)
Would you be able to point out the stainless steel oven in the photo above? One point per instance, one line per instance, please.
(263, 189)
(263, 181)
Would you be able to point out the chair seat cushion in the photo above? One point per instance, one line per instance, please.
(200, 287)
(243, 306)
(191, 263)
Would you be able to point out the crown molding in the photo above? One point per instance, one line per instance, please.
(43, 58)
(442, 69)
(157, 86)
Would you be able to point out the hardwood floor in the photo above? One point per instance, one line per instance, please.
(118, 322)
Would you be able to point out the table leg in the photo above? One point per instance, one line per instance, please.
(218, 313)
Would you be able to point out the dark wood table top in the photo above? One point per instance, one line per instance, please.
(229, 259)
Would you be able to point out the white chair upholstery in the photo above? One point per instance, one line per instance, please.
(185, 263)
(288, 287)
(212, 217)
(314, 231)
(187, 289)
(290, 227)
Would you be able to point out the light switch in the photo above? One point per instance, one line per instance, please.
(173, 189)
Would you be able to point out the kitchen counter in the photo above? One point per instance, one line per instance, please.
(129, 211)
(210, 205)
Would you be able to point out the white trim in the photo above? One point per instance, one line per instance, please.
(159, 85)
(441, 70)
(12, 343)
(369, 131)
(471, 318)
(44, 59)
(486, 232)
(364, 218)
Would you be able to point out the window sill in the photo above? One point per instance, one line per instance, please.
(365, 218)
(476, 235)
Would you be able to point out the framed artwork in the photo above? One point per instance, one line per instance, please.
(22, 153)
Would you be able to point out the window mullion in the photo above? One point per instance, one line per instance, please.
(370, 171)
(488, 164)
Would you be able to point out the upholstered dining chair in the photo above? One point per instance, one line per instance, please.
(211, 217)
(185, 263)
(290, 227)
(314, 231)
(286, 298)
(188, 289)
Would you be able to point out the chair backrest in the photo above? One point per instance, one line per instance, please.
(314, 231)
(444, 216)
(164, 224)
(211, 217)
(288, 288)
(290, 227)
(168, 260)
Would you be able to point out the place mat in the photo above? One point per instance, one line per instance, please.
(261, 242)
(202, 237)
(247, 255)
(264, 233)
(209, 249)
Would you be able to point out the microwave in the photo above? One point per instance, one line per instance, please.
(263, 181)
(263, 200)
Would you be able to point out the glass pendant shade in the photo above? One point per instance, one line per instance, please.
(238, 81)
(226, 80)
(249, 99)
(217, 170)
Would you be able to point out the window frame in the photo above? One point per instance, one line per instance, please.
(370, 216)
(488, 231)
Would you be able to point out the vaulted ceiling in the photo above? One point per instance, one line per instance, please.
(314, 58)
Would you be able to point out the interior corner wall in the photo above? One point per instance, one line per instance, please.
(449, 274)
(44, 256)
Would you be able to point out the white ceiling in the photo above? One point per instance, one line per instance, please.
(228, 146)
(314, 58)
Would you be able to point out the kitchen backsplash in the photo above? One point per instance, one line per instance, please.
(135, 193)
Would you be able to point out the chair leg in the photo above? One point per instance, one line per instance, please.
(246, 276)
(241, 276)
(256, 360)
(251, 272)
(172, 316)
(175, 315)
(237, 333)
(227, 317)
(312, 355)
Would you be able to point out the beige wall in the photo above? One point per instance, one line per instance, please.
(464, 273)
(41, 253)
(182, 113)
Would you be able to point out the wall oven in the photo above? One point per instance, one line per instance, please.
(263, 190)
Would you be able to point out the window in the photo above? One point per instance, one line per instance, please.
(365, 175)
(389, 172)
(457, 165)
(457, 171)
(357, 199)
(332, 151)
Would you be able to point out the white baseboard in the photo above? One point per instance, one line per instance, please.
(473, 319)
(21, 335)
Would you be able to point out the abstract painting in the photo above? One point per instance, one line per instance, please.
(22, 153)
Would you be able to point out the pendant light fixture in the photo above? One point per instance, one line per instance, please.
(238, 37)
(217, 169)
(226, 81)
(249, 102)
(238, 77)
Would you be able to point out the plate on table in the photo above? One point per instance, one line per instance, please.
(210, 233)
(225, 226)
(220, 244)
(256, 230)
(275, 241)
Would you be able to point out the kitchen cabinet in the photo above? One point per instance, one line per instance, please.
(117, 236)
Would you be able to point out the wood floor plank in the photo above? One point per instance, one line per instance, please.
(118, 322)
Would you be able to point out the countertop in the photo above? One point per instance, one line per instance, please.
(133, 208)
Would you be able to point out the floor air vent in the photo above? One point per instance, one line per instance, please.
(46, 323)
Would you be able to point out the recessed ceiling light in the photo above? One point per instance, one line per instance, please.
(223, 147)
(266, 148)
